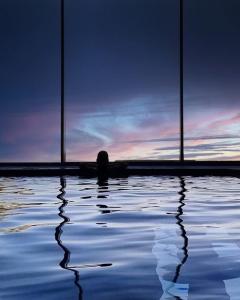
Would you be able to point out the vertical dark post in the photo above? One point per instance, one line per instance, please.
(63, 157)
(181, 73)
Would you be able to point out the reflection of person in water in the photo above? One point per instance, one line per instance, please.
(58, 233)
(103, 194)
(102, 186)
(192, 266)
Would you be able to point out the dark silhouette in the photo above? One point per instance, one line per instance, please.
(102, 165)
(58, 232)
(106, 169)
(102, 160)
(182, 229)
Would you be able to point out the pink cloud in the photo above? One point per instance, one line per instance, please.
(222, 124)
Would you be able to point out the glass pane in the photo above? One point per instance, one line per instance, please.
(29, 79)
(122, 79)
(212, 61)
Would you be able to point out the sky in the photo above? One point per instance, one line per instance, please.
(122, 82)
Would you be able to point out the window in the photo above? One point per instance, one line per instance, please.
(29, 76)
(122, 90)
(212, 71)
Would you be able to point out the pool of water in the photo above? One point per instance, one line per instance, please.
(132, 238)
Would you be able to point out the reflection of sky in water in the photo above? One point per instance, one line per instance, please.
(139, 238)
(167, 254)
(189, 258)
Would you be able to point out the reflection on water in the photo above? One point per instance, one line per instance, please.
(6, 208)
(133, 238)
(58, 233)
(182, 229)
(166, 252)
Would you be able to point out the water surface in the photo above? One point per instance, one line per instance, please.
(133, 238)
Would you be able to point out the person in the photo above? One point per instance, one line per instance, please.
(102, 163)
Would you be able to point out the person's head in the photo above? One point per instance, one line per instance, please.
(102, 158)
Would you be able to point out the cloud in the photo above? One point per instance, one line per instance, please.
(193, 156)
(206, 147)
(224, 123)
(195, 138)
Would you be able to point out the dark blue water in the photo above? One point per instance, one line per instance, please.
(134, 238)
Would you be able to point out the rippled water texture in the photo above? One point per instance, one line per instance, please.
(132, 238)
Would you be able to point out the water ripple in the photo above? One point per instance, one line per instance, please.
(134, 238)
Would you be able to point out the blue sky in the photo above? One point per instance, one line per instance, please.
(122, 89)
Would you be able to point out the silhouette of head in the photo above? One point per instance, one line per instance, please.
(102, 158)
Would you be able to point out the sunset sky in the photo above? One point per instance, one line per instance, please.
(122, 85)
